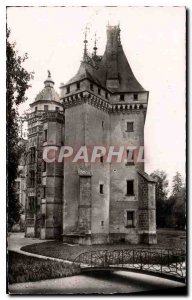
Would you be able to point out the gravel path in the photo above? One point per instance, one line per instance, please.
(107, 283)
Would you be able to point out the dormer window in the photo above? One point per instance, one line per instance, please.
(106, 95)
(35, 108)
(68, 89)
(135, 96)
(99, 91)
(78, 85)
(91, 86)
(57, 108)
(122, 97)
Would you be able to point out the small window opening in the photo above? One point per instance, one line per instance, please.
(78, 85)
(44, 166)
(130, 187)
(129, 127)
(45, 135)
(101, 188)
(130, 219)
(68, 89)
(122, 97)
(44, 192)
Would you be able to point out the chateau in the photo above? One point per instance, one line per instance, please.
(84, 202)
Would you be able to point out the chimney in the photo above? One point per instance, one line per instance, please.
(113, 38)
(113, 42)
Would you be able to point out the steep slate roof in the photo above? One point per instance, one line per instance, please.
(87, 71)
(113, 65)
(146, 176)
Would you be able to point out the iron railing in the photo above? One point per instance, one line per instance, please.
(160, 262)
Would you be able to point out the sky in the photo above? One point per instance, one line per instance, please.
(153, 40)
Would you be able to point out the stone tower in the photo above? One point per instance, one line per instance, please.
(88, 202)
(44, 181)
(105, 105)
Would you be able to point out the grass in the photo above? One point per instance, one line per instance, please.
(167, 239)
(22, 268)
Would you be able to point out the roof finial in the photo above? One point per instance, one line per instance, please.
(85, 42)
(49, 81)
(95, 45)
(49, 73)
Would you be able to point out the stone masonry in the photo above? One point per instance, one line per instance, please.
(84, 202)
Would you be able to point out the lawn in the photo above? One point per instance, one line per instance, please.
(167, 239)
(22, 268)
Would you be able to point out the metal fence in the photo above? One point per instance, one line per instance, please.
(160, 262)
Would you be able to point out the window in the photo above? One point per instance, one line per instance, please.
(101, 159)
(91, 86)
(68, 89)
(135, 96)
(122, 97)
(44, 192)
(44, 166)
(46, 107)
(31, 204)
(45, 135)
(102, 223)
(78, 85)
(32, 178)
(35, 108)
(130, 219)
(102, 124)
(130, 160)
(106, 95)
(39, 178)
(57, 108)
(130, 188)
(32, 155)
(101, 188)
(99, 91)
(129, 127)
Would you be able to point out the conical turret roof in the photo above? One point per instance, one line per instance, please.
(113, 65)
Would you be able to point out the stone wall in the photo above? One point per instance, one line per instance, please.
(91, 127)
(52, 181)
(147, 211)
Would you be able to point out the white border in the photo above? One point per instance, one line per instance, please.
(3, 5)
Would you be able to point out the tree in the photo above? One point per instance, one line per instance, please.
(161, 196)
(177, 184)
(178, 199)
(17, 82)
